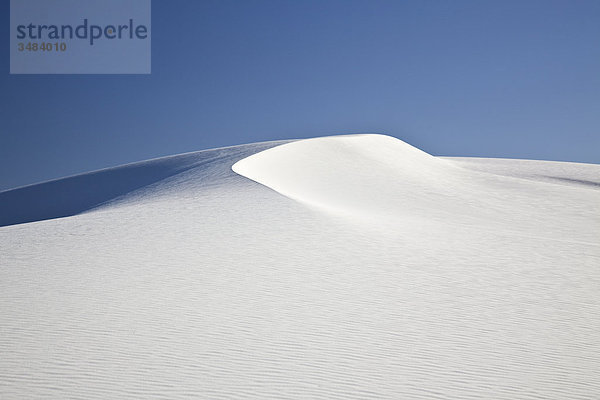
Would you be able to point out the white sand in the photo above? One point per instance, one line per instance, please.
(357, 267)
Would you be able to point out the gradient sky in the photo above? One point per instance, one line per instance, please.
(514, 79)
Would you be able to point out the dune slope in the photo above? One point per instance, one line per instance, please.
(76, 194)
(377, 178)
(348, 267)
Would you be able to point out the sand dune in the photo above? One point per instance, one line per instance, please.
(377, 178)
(76, 194)
(345, 267)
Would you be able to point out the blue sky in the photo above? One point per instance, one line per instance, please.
(515, 79)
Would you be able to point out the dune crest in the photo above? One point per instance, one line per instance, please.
(381, 179)
(357, 174)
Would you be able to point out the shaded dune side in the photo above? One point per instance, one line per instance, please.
(76, 194)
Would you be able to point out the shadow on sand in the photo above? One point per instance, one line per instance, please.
(73, 195)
